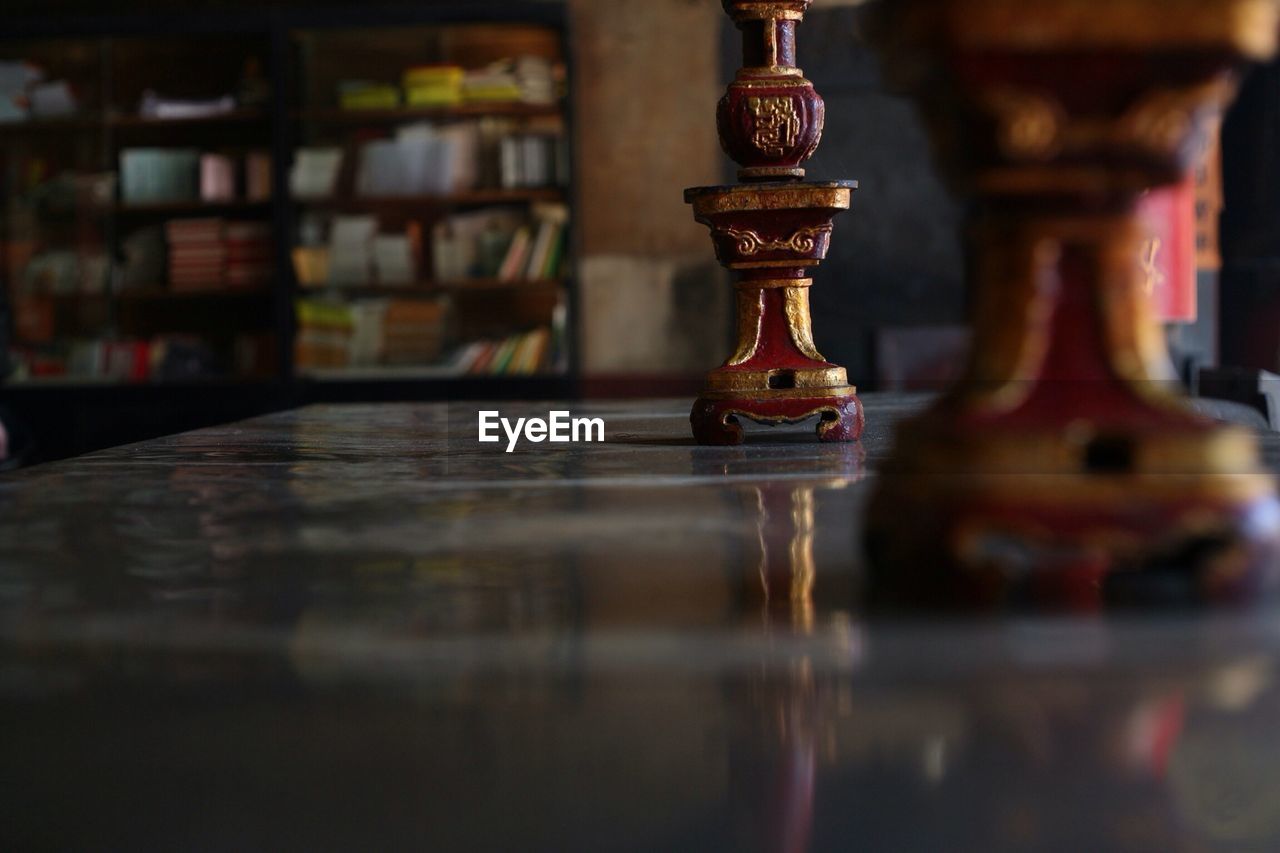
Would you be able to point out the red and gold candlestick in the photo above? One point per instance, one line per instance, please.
(771, 230)
(1064, 467)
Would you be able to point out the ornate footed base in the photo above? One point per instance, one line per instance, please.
(715, 417)
(1145, 518)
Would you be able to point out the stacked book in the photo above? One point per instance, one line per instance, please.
(496, 83)
(413, 330)
(197, 254)
(535, 75)
(249, 249)
(433, 86)
(209, 254)
(366, 95)
(323, 336)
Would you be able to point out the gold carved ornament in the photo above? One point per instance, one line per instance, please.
(775, 123)
(751, 316)
(1034, 126)
(750, 321)
(749, 243)
(799, 324)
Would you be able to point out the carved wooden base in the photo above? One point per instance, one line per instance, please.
(715, 418)
(949, 535)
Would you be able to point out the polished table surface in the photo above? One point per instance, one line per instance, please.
(356, 627)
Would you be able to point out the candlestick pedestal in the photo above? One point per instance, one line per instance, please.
(770, 230)
(1064, 468)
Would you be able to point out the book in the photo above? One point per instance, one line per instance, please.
(433, 75)
(314, 173)
(465, 356)
(159, 175)
(541, 247)
(517, 256)
(362, 95)
(502, 359)
(551, 269)
(433, 85)
(483, 359)
(494, 83)
(393, 259)
(432, 96)
(524, 360)
(257, 176)
(217, 178)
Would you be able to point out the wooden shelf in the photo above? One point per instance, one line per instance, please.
(333, 115)
(469, 198)
(124, 122)
(383, 373)
(423, 288)
(231, 117)
(66, 380)
(181, 208)
(52, 125)
(154, 294)
(233, 383)
(166, 295)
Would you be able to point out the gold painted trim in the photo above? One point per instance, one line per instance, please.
(749, 71)
(748, 173)
(1246, 26)
(752, 197)
(932, 449)
(1034, 126)
(750, 322)
(771, 44)
(799, 324)
(758, 380)
(768, 10)
(803, 240)
(771, 283)
(832, 392)
(793, 78)
(761, 265)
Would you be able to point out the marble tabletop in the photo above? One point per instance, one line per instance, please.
(356, 627)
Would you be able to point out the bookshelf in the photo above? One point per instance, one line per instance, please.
(474, 251)
(88, 279)
(77, 317)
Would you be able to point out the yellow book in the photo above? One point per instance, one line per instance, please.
(448, 76)
(371, 98)
(432, 96)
